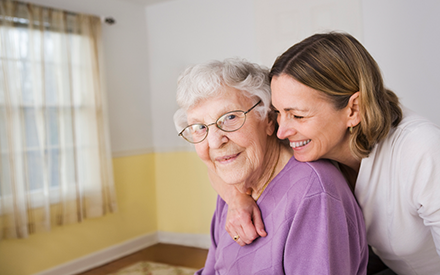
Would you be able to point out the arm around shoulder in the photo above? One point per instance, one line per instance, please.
(244, 216)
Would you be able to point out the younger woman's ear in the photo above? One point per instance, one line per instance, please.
(354, 116)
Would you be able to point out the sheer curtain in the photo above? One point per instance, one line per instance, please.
(55, 165)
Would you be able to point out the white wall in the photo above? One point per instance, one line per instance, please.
(186, 32)
(404, 38)
(281, 23)
(126, 70)
(150, 45)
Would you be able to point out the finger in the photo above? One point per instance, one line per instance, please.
(242, 227)
(237, 236)
(249, 232)
(258, 222)
(232, 228)
(234, 231)
(239, 241)
(233, 224)
(250, 228)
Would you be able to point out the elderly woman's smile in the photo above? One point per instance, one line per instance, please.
(237, 157)
(226, 159)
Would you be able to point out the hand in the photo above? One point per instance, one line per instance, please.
(244, 216)
(244, 219)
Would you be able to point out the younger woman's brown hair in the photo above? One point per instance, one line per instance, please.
(339, 66)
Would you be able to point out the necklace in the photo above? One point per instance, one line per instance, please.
(271, 174)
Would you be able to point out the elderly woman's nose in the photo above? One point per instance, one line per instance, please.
(216, 137)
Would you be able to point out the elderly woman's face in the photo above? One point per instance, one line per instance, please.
(309, 120)
(234, 156)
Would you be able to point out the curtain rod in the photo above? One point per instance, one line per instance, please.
(109, 20)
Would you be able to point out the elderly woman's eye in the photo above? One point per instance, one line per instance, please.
(201, 127)
(198, 128)
(230, 121)
(230, 117)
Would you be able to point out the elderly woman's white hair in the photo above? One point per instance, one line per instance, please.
(207, 80)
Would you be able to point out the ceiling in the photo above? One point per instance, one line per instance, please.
(144, 2)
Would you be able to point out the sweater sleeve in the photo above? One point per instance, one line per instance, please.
(420, 175)
(323, 239)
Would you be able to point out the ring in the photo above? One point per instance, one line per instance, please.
(236, 237)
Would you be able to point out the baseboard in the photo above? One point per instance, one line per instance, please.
(103, 256)
(126, 248)
(194, 240)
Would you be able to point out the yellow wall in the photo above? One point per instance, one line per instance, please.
(137, 215)
(185, 198)
(163, 191)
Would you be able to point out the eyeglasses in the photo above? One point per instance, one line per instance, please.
(229, 122)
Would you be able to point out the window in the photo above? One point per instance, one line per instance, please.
(55, 165)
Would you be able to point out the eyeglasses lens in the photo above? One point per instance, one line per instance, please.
(229, 122)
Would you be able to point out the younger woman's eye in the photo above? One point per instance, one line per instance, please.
(293, 116)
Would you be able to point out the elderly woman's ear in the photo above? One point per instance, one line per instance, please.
(271, 125)
(272, 122)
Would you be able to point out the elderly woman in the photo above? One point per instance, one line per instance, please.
(314, 223)
(332, 104)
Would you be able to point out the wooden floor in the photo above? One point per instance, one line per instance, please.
(162, 253)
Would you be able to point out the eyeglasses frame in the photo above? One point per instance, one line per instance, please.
(207, 125)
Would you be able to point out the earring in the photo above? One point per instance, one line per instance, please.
(350, 129)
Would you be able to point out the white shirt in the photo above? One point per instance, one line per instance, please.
(398, 188)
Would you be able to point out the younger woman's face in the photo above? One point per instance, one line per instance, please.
(309, 120)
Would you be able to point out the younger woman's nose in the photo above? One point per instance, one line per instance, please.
(284, 130)
(281, 134)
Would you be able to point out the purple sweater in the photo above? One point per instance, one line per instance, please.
(313, 222)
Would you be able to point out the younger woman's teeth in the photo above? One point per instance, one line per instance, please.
(299, 143)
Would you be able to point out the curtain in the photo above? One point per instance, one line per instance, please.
(55, 165)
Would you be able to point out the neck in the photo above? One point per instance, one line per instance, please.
(352, 163)
(348, 163)
(350, 169)
(273, 162)
(350, 175)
